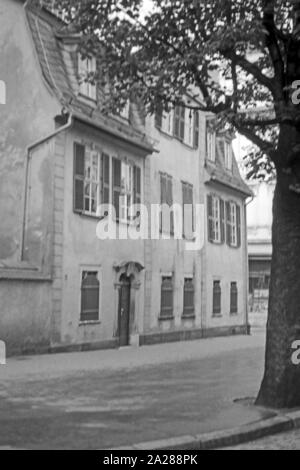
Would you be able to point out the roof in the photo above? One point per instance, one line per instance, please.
(59, 68)
(217, 173)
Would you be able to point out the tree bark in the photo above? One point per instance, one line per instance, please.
(281, 383)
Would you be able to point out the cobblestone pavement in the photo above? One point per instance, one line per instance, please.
(285, 441)
(104, 399)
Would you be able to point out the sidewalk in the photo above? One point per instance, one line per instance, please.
(106, 399)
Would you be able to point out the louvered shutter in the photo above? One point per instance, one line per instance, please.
(238, 222)
(196, 129)
(105, 178)
(228, 224)
(79, 156)
(170, 203)
(222, 217)
(182, 123)
(116, 167)
(210, 218)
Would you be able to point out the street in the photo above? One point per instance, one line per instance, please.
(286, 441)
(112, 398)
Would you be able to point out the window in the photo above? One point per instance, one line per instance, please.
(90, 294)
(233, 224)
(126, 198)
(126, 188)
(188, 297)
(233, 298)
(217, 298)
(228, 155)
(87, 70)
(125, 111)
(216, 219)
(92, 182)
(181, 122)
(189, 127)
(211, 145)
(187, 211)
(166, 199)
(166, 309)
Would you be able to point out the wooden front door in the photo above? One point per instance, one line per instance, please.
(124, 311)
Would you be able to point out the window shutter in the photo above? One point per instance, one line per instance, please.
(177, 121)
(163, 198)
(105, 178)
(228, 224)
(166, 306)
(196, 129)
(238, 224)
(79, 156)
(210, 218)
(182, 123)
(188, 297)
(233, 298)
(188, 212)
(116, 185)
(222, 216)
(170, 202)
(90, 287)
(217, 298)
(137, 184)
(159, 118)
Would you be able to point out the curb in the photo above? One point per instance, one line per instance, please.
(229, 437)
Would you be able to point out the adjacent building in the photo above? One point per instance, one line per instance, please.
(259, 216)
(62, 162)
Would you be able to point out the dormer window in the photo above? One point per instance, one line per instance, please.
(125, 111)
(228, 155)
(87, 70)
(211, 145)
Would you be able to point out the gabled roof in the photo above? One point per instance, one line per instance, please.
(60, 72)
(217, 173)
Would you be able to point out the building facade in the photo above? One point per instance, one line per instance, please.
(62, 285)
(259, 216)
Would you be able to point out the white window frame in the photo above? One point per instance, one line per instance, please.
(211, 145)
(233, 224)
(189, 122)
(90, 268)
(216, 219)
(167, 125)
(228, 155)
(92, 179)
(127, 190)
(85, 67)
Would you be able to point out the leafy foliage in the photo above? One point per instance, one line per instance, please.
(237, 58)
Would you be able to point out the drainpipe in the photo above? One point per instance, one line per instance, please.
(29, 150)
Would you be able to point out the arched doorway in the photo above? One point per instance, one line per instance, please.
(124, 310)
(127, 284)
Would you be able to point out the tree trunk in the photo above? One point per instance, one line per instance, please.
(281, 383)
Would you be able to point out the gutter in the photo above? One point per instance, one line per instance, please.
(115, 133)
(29, 150)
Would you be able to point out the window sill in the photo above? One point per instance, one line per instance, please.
(217, 315)
(89, 322)
(187, 316)
(166, 318)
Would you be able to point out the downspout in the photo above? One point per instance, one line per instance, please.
(29, 149)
